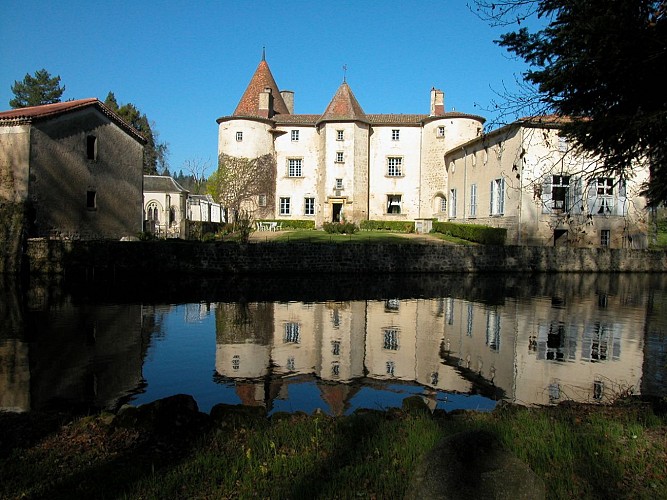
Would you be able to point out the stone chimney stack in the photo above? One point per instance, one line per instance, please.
(266, 103)
(437, 102)
(288, 97)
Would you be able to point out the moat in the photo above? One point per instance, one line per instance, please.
(334, 342)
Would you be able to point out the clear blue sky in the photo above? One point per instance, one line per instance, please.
(186, 63)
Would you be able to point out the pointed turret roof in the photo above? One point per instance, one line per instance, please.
(261, 80)
(344, 107)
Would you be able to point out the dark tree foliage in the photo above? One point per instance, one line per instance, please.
(37, 90)
(599, 62)
(155, 153)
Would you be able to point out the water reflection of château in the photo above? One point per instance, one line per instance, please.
(568, 343)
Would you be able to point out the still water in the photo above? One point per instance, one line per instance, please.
(335, 343)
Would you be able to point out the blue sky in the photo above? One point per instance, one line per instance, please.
(186, 63)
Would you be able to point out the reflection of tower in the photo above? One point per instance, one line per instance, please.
(342, 328)
(243, 352)
(338, 396)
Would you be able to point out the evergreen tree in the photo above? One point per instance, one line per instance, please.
(598, 62)
(37, 90)
(155, 153)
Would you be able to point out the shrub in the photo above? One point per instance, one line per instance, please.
(472, 232)
(388, 225)
(292, 224)
(340, 227)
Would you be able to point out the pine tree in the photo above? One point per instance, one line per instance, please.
(37, 90)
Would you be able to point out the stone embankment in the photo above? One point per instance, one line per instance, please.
(164, 258)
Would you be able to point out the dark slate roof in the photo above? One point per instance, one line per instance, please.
(33, 114)
(344, 107)
(262, 79)
(162, 184)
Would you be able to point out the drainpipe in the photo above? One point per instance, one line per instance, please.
(465, 179)
(421, 149)
(518, 235)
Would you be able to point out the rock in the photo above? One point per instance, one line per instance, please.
(473, 465)
(176, 416)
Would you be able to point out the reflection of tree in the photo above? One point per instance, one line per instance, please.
(244, 322)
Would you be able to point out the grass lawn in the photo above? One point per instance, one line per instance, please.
(318, 236)
(580, 451)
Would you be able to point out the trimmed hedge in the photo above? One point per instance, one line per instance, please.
(472, 232)
(340, 227)
(292, 224)
(388, 225)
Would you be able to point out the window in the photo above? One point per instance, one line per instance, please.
(335, 347)
(340, 135)
(605, 195)
(339, 184)
(236, 362)
(261, 201)
(473, 200)
(335, 369)
(91, 147)
(292, 333)
(393, 203)
(441, 131)
(309, 206)
(339, 157)
(284, 206)
(172, 216)
(449, 310)
(294, 167)
(562, 144)
(452, 203)
(295, 135)
(239, 136)
(395, 134)
(469, 325)
(560, 191)
(291, 365)
(605, 237)
(554, 392)
(443, 204)
(391, 339)
(152, 213)
(394, 166)
(392, 305)
(91, 200)
(493, 330)
(497, 197)
(598, 390)
(391, 367)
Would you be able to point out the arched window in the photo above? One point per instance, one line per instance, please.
(153, 212)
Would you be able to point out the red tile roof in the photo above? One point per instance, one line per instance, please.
(46, 111)
(262, 79)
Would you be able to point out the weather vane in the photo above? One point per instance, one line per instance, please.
(344, 73)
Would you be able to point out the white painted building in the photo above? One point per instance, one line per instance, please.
(165, 207)
(344, 164)
(525, 177)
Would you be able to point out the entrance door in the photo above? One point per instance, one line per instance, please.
(336, 210)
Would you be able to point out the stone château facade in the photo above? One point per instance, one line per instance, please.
(344, 163)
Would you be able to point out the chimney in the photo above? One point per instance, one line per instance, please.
(437, 102)
(288, 97)
(266, 103)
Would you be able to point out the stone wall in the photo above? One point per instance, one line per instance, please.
(163, 259)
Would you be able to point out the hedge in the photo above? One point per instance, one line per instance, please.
(472, 232)
(388, 225)
(291, 223)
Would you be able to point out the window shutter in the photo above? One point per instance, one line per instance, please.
(491, 198)
(622, 205)
(576, 190)
(547, 197)
(501, 196)
(592, 196)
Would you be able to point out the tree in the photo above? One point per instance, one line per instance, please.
(594, 63)
(37, 90)
(155, 152)
(238, 180)
(197, 169)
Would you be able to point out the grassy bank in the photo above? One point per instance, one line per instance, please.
(580, 451)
